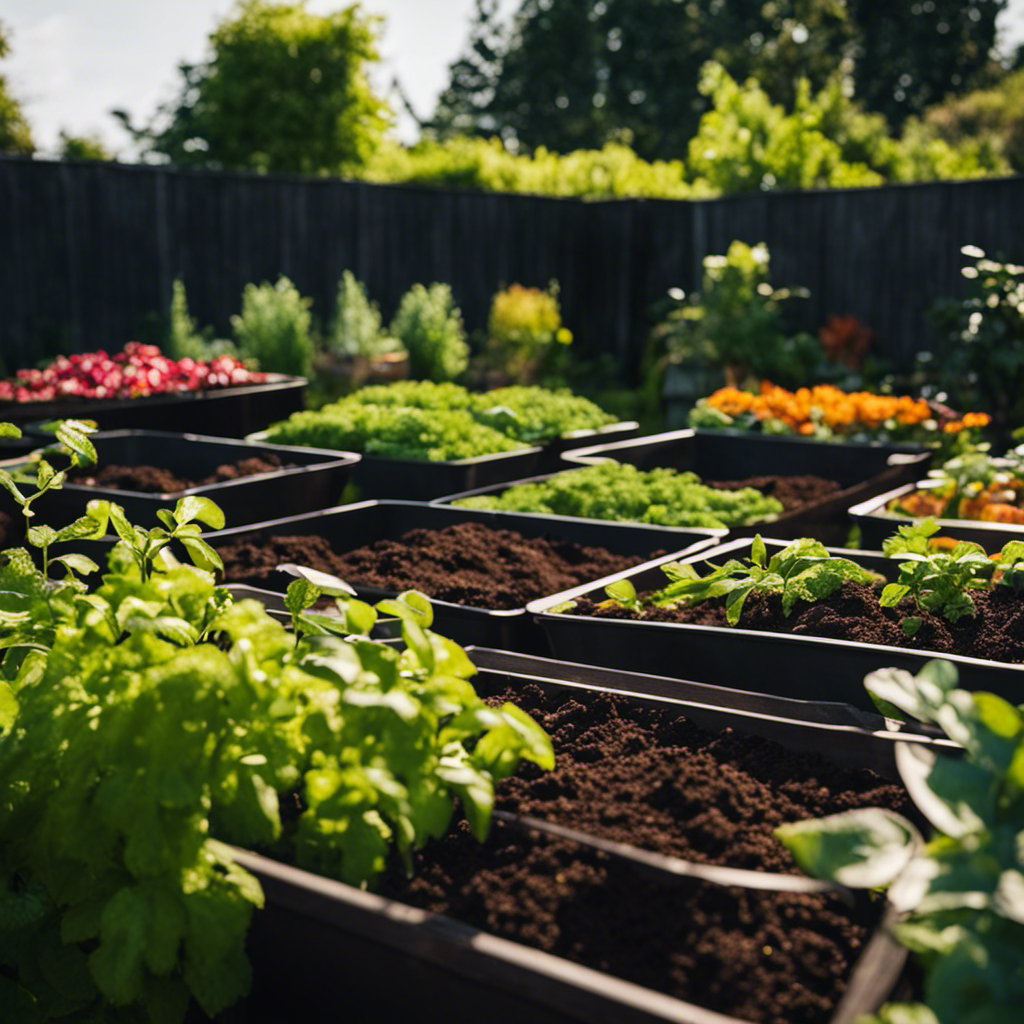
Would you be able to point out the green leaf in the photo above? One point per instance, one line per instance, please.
(173, 628)
(117, 963)
(10, 430)
(911, 624)
(86, 526)
(72, 434)
(623, 592)
(410, 606)
(79, 563)
(864, 848)
(758, 552)
(8, 707)
(360, 617)
(957, 797)
(195, 506)
(41, 536)
(892, 594)
(202, 554)
(301, 594)
(918, 696)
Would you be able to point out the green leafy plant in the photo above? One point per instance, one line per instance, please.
(155, 719)
(184, 340)
(621, 492)
(429, 325)
(983, 359)
(960, 894)
(356, 327)
(735, 322)
(802, 571)
(524, 333)
(440, 421)
(274, 328)
(395, 432)
(940, 581)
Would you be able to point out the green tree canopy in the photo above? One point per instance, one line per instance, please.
(82, 147)
(566, 74)
(283, 90)
(15, 134)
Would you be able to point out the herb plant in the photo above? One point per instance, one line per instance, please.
(940, 581)
(621, 492)
(274, 328)
(960, 894)
(429, 325)
(146, 723)
(356, 327)
(802, 571)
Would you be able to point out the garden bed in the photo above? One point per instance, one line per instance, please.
(877, 523)
(304, 479)
(621, 775)
(821, 651)
(362, 544)
(861, 470)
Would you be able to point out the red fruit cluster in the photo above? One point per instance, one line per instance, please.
(138, 371)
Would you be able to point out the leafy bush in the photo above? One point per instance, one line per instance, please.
(524, 329)
(736, 322)
(535, 415)
(274, 328)
(439, 422)
(356, 327)
(620, 492)
(429, 325)
(983, 357)
(184, 341)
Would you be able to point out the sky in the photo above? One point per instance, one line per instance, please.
(73, 61)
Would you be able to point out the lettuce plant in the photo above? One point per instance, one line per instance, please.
(960, 894)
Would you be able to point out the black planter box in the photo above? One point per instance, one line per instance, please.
(355, 526)
(877, 525)
(318, 941)
(554, 450)
(420, 480)
(217, 412)
(802, 667)
(315, 479)
(862, 470)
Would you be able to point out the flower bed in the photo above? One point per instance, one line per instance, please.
(826, 413)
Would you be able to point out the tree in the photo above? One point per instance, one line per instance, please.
(912, 55)
(82, 147)
(284, 90)
(15, 134)
(572, 73)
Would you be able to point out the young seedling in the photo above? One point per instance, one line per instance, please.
(939, 581)
(802, 571)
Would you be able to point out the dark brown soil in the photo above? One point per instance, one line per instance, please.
(642, 777)
(468, 564)
(154, 480)
(793, 491)
(995, 631)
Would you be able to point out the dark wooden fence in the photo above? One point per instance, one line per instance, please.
(89, 251)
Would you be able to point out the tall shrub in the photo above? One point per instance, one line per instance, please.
(275, 328)
(429, 325)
